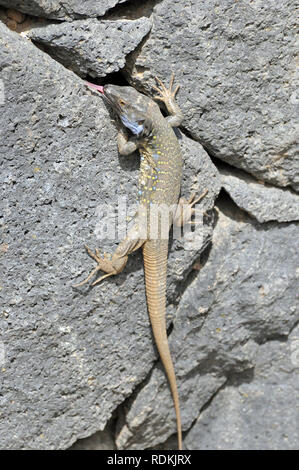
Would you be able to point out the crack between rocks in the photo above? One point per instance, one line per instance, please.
(191, 274)
(224, 196)
(253, 218)
(77, 16)
(118, 77)
(282, 338)
(293, 327)
(225, 165)
(121, 411)
(119, 414)
(231, 379)
(131, 9)
(204, 407)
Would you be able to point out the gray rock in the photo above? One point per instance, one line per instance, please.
(260, 413)
(102, 440)
(68, 356)
(235, 62)
(61, 9)
(91, 46)
(245, 294)
(260, 200)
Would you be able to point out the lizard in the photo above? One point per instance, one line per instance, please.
(159, 183)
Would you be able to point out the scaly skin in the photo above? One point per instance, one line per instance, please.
(159, 183)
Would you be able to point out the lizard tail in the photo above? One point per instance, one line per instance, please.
(155, 267)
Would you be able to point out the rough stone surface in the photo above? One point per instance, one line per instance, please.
(69, 356)
(91, 46)
(78, 362)
(240, 299)
(260, 413)
(62, 9)
(260, 200)
(236, 65)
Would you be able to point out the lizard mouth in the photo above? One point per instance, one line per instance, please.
(107, 95)
(104, 92)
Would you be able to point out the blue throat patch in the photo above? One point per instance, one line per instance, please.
(133, 126)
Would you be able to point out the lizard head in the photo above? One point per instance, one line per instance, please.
(130, 105)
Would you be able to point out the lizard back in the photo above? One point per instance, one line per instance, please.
(161, 163)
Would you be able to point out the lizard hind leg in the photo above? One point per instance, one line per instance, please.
(104, 264)
(112, 265)
(185, 209)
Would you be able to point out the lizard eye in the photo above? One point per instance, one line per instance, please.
(121, 102)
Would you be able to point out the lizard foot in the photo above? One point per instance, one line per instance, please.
(104, 264)
(167, 95)
(185, 209)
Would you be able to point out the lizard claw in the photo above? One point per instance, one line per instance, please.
(95, 270)
(185, 210)
(191, 200)
(165, 94)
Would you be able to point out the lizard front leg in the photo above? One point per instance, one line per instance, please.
(167, 95)
(125, 145)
